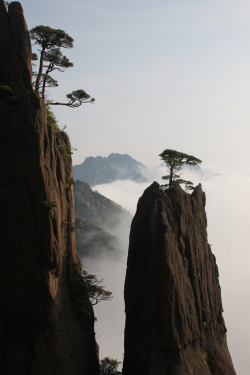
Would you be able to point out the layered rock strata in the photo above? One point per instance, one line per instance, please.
(46, 319)
(174, 322)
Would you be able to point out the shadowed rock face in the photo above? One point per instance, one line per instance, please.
(174, 322)
(15, 48)
(46, 319)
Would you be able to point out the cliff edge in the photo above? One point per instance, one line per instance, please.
(174, 322)
(46, 319)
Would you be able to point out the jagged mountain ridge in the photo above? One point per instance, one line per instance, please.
(99, 170)
(174, 322)
(97, 217)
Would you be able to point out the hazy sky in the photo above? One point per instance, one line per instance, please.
(169, 74)
(165, 74)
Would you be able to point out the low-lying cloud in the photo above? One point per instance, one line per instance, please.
(110, 315)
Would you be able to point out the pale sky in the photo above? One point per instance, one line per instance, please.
(165, 74)
(168, 74)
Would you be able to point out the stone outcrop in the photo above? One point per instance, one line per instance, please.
(46, 319)
(174, 322)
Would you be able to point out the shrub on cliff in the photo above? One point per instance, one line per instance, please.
(52, 121)
(108, 366)
(95, 289)
(7, 95)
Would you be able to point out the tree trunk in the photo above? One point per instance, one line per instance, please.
(44, 83)
(39, 75)
(171, 176)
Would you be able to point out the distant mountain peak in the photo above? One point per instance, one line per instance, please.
(99, 169)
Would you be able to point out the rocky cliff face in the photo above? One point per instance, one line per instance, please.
(174, 322)
(46, 319)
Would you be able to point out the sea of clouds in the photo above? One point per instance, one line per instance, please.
(228, 214)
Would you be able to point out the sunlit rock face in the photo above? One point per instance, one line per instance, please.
(46, 319)
(174, 322)
(15, 48)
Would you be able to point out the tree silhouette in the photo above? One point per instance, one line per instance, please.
(51, 58)
(175, 160)
(76, 98)
(48, 38)
(95, 289)
(108, 366)
(56, 61)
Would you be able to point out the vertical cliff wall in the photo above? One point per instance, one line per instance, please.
(174, 322)
(46, 319)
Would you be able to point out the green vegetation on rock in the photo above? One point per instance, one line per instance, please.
(108, 366)
(79, 296)
(7, 95)
(95, 289)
